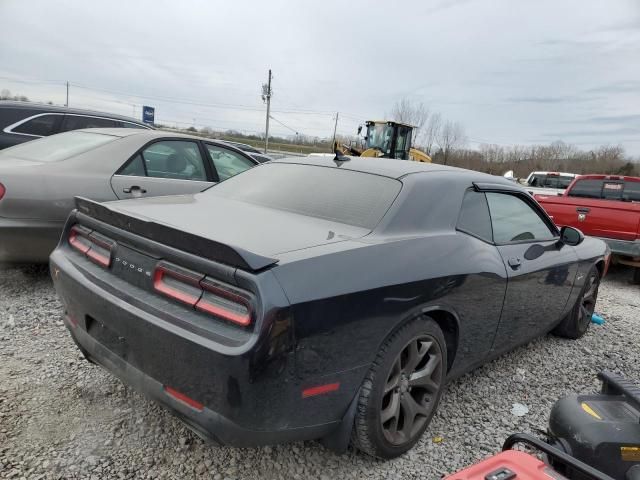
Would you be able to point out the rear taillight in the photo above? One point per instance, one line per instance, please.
(221, 302)
(177, 283)
(94, 246)
(2, 191)
(204, 294)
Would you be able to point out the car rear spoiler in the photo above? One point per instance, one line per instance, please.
(161, 233)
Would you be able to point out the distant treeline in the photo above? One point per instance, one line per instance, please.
(557, 156)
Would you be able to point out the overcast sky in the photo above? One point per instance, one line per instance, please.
(510, 71)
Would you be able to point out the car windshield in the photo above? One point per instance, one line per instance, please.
(57, 147)
(353, 198)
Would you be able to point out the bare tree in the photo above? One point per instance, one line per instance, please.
(5, 94)
(415, 114)
(451, 137)
(431, 132)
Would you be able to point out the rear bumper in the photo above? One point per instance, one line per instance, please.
(206, 423)
(27, 241)
(246, 399)
(628, 248)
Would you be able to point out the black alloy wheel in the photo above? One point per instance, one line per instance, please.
(411, 389)
(401, 391)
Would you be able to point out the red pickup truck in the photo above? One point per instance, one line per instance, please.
(604, 206)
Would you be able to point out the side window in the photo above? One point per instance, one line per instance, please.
(631, 192)
(41, 126)
(134, 168)
(514, 220)
(174, 159)
(76, 122)
(474, 216)
(587, 189)
(227, 162)
(537, 180)
(612, 190)
(129, 125)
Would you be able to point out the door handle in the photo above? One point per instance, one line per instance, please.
(583, 210)
(134, 189)
(514, 263)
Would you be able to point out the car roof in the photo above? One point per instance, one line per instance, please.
(553, 172)
(607, 177)
(387, 167)
(44, 108)
(143, 133)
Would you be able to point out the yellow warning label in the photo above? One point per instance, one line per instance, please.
(590, 411)
(630, 454)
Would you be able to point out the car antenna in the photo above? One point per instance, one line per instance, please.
(340, 158)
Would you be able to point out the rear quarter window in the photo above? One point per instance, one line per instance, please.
(353, 198)
(612, 190)
(42, 125)
(631, 191)
(474, 216)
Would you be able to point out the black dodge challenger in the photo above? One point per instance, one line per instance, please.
(319, 298)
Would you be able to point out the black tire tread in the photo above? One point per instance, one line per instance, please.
(568, 327)
(361, 438)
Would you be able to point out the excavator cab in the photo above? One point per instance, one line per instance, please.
(383, 139)
(388, 140)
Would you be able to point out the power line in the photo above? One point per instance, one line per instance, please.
(285, 126)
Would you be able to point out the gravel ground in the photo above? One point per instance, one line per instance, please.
(61, 417)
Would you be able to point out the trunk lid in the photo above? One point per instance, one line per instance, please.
(228, 231)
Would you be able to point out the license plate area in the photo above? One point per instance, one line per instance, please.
(107, 337)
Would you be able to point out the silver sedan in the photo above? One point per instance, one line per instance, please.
(39, 179)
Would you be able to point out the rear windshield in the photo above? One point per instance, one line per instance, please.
(57, 147)
(353, 198)
(627, 191)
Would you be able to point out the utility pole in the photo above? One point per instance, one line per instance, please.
(67, 102)
(266, 96)
(335, 129)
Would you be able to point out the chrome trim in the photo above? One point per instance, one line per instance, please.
(9, 128)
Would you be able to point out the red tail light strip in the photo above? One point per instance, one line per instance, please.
(93, 245)
(180, 286)
(204, 294)
(3, 190)
(320, 389)
(181, 397)
(79, 239)
(225, 304)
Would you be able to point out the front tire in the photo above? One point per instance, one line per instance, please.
(402, 390)
(577, 322)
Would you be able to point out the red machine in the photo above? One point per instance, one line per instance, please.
(518, 465)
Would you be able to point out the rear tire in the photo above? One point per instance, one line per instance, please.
(636, 276)
(402, 390)
(577, 322)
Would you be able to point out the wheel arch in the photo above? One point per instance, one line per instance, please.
(600, 266)
(449, 323)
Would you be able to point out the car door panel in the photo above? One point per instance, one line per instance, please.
(127, 186)
(538, 287)
(540, 269)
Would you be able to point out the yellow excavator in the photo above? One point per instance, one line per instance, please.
(384, 139)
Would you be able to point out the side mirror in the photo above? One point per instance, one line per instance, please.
(359, 129)
(571, 236)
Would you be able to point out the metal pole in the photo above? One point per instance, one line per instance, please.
(67, 102)
(335, 129)
(266, 136)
